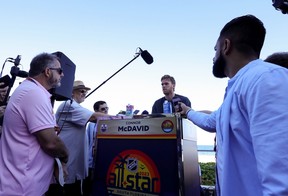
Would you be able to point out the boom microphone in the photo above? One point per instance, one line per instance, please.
(146, 56)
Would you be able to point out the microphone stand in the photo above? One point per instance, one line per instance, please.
(137, 55)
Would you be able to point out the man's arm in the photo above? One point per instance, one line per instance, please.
(52, 144)
(202, 119)
(96, 115)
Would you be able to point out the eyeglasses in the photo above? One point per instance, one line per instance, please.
(59, 70)
(103, 109)
(83, 91)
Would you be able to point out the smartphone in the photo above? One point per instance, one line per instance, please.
(6, 80)
(136, 112)
(176, 104)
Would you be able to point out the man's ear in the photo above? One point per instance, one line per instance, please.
(46, 71)
(227, 46)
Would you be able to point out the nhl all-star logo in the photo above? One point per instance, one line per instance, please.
(132, 164)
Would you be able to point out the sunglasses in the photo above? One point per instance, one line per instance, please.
(103, 109)
(83, 91)
(59, 70)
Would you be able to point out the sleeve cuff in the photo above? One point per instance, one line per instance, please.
(189, 111)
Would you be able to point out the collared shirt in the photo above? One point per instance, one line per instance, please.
(25, 168)
(91, 130)
(252, 137)
(72, 118)
(203, 120)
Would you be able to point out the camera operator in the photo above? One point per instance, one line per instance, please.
(3, 92)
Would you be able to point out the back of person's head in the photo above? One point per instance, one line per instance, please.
(97, 105)
(247, 34)
(168, 77)
(278, 58)
(40, 62)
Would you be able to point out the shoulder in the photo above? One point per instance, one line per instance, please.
(158, 101)
(259, 71)
(182, 97)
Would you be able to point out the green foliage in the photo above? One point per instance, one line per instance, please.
(208, 173)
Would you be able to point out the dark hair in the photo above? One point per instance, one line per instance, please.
(247, 34)
(167, 77)
(40, 62)
(97, 104)
(278, 58)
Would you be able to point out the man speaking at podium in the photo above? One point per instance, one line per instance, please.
(167, 103)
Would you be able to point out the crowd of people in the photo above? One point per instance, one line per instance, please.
(250, 125)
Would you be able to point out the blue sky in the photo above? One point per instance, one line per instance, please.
(102, 36)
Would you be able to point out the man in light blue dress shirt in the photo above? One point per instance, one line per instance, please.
(251, 123)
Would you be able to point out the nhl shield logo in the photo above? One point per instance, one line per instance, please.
(132, 164)
(103, 127)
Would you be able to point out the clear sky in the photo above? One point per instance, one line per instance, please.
(102, 36)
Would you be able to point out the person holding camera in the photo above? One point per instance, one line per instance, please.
(169, 102)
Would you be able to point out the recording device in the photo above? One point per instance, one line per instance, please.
(176, 104)
(281, 5)
(136, 112)
(15, 72)
(145, 112)
(146, 56)
(17, 60)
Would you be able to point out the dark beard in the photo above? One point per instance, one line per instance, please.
(219, 67)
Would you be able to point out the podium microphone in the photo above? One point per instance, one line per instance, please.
(146, 56)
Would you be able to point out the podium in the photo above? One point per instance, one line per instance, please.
(146, 156)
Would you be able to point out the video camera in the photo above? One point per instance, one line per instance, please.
(15, 72)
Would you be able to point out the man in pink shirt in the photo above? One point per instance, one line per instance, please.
(29, 143)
